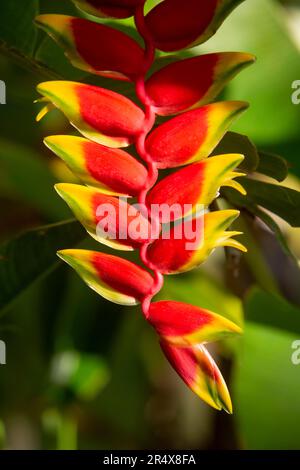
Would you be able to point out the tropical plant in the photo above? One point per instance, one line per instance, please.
(109, 121)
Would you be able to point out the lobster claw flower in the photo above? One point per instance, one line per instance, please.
(83, 42)
(101, 115)
(193, 135)
(193, 82)
(107, 219)
(196, 184)
(185, 325)
(113, 171)
(198, 370)
(188, 244)
(176, 24)
(114, 278)
(110, 8)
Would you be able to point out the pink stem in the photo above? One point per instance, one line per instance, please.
(142, 151)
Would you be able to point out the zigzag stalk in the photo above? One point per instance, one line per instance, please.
(142, 151)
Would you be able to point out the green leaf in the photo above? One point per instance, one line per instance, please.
(128, 374)
(238, 143)
(242, 202)
(18, 34)
(255, 258)
(16, 26)
(272, 165)
(21, 40)
(266, 386)
(25, 175)
(84, 374)
(270, 222)
(272, 117)
(25, 258)
(280, 200)
(272, 267)
(272, 310)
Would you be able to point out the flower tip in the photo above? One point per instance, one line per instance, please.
(242, 247)
(48, 142)
(253, 58)
(72, 194)
(62, 189)
(227, 407)
(62, 254)
(239, 158)
(236, 329)
(240, 106)
(39, 20)
(232, 183)
(51, 87)
(40, 87)
(249, 58)
(224, 398)
(47, 17)
(52, 141)
(220, 398)
(231, 242)
(231, 214)
(45, 110)
(233, 109)
(68, 254)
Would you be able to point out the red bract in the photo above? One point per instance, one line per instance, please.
(195, 184)
(107, 219)
(182, 324)
(200, 373)
(176, 24)
(193, 135)
(116, 279)
(108, 121)
(189, 243)
(113, 171)
(193, 82)
(99, 114)
(121, 57)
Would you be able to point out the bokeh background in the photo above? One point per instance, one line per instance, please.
(83, 373)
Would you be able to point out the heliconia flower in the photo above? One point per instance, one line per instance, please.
(176, 24)
(193, 135)
(108, 219)
(83, 42)
(110, 8)
(113, 171)
(193, 82)
(114, 278)
(170, 226)
(196, 184)
(198, 370)
(190, 242)
(183, 325)
(101, 115)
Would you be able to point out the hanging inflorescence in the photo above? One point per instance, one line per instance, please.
(109, 121)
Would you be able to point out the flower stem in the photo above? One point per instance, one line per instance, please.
(152, 176)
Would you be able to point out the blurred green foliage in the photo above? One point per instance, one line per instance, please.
(84, 373)
(266, 382)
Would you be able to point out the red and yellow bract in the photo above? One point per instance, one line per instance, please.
(198, 183)
(193, 135)
(199, 237)
(114, 171)
(193, 82)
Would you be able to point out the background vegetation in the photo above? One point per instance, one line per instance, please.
(84, 373)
